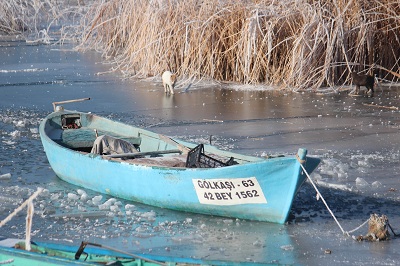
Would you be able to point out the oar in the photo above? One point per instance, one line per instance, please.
(136, 154)
(69, 101)
(85, 243)
(171, 141)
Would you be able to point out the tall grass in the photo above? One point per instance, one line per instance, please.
(36, 17)
(296, 44)
(290, 43)
(11, 20)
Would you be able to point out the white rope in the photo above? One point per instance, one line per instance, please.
(352, 231)
(29, 216)
(28, 227)
(326, 205)
(17, 210)
(323, 200)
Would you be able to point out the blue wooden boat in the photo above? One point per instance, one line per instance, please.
(139, 165)
(12, 252)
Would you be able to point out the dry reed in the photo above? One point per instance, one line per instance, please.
(291, 43)
(34, 18)
(296, 44)
(10, 21)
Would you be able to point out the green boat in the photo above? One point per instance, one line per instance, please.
(12, 252)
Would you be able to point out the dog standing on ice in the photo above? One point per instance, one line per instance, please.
(168, 80)
(363, 80)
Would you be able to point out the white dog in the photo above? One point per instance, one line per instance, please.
(168, 80)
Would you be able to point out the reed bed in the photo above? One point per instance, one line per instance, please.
(12, 19)
(297, 44)
(36, 18)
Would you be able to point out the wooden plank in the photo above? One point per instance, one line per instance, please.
(137, 154)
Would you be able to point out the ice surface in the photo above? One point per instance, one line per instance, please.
(358, 174)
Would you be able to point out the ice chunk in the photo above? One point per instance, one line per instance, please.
(96, 199)
(8, 142)
(72, 196)
(34, 130)
(287, 247)
(104, 206)
(45, 193)
(130, 207)
(110, 201)
(84, 197)
(20, 124)
(15, 134)
(114, 208)
(80, 191)
(55, 196)
(8, 120)
(5, 176)
(376, 184)
(90, 214)
(361, 182)
(257, 243)
(151, 215)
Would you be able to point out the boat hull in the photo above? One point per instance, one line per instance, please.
(50, 254)
(258, 189)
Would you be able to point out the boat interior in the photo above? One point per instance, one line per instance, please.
(80, 134)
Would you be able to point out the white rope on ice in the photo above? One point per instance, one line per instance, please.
(29, 216)
(322, 198)
(17, 210)
(355, 229)
(327, 207)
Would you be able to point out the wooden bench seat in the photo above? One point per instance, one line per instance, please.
(164, 161)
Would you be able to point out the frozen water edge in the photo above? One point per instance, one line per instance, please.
(73, 214)
(353, 139)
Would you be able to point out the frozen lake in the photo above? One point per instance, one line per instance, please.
(357, 139)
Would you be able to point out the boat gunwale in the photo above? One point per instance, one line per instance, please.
(246, 160)
(118, 256)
